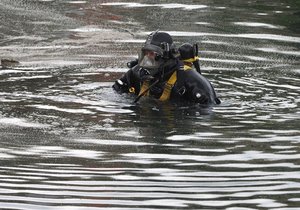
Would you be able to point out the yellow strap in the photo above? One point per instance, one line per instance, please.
(168, 87)
(144, 87)
(187, 67)
(191, 60)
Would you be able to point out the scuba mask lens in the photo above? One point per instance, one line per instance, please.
(151, 61)
(147, 71)
(148, 62)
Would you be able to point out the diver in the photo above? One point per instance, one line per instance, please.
(166, 73)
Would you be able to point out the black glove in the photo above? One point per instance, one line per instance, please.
(145, 74)
(120, 86)
(218, 101)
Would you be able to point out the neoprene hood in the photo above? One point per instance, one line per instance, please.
(156, 40)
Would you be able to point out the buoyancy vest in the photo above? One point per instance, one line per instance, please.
(145, 90)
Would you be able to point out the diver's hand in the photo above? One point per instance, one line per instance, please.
(120, 86)
(217, 100)
(145, 74)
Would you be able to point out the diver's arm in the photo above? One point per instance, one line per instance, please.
(122, 85)
(199, 96)
(199, 89)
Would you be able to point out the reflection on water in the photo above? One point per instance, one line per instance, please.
(69, 142)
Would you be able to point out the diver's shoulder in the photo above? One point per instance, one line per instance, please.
(189, 72)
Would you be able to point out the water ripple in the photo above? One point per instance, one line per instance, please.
(68, 141)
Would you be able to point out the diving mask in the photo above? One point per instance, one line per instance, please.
(151, 61)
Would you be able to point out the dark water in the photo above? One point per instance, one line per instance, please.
(69, 142)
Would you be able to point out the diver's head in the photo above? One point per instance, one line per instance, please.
(157, 49)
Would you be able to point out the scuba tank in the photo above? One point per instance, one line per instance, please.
(189, 54)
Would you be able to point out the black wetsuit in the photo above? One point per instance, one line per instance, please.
(190, 85)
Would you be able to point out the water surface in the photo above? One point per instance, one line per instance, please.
(68, 141)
